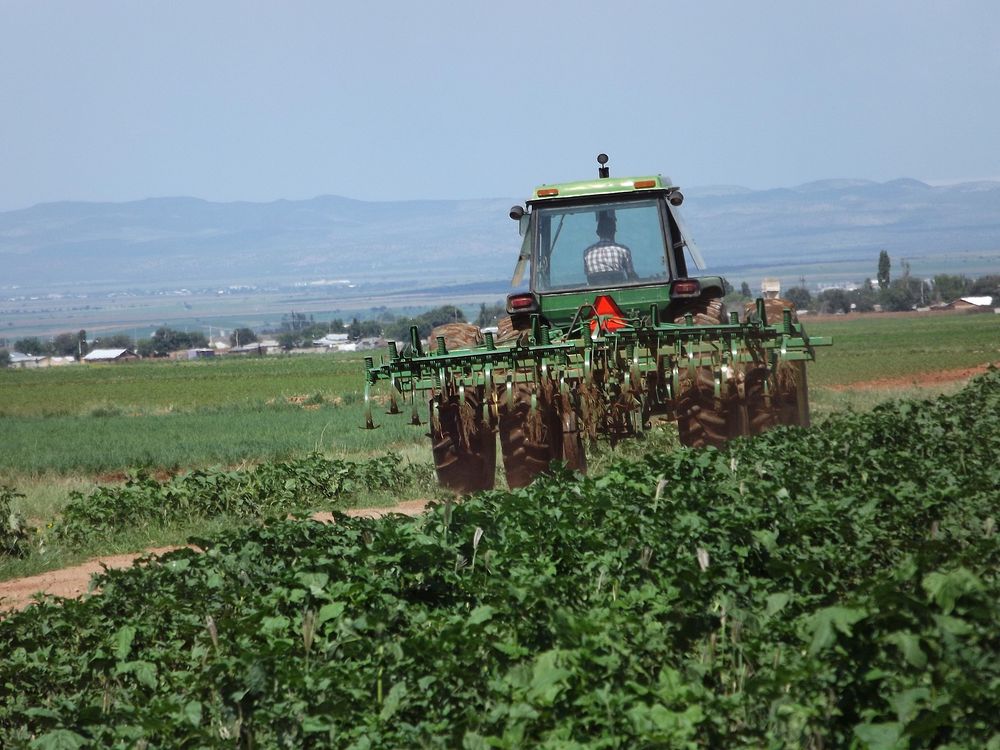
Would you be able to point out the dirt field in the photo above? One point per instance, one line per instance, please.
(921, 379)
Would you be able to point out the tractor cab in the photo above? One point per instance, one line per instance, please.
(622, 236)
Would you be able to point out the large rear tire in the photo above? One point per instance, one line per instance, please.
(574, 453)
(463, 444)
(788, 386)
(701, 418)
(528, 441)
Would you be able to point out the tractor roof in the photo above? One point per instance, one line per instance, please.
(600, 186)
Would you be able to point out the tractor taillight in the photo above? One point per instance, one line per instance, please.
(685, 288)
(521, 303)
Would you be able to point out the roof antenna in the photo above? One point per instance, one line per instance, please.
(603, 170)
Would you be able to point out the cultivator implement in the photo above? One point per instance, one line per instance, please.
(611, 334)
(606, 376)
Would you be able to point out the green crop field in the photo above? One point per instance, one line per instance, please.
(871, 347)
(86, 421)
(830, 588)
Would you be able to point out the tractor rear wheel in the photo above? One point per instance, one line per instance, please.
(529, 441)
(463, 444)
(701, 420)
(573, 452)
(788, 396)
(788, 388)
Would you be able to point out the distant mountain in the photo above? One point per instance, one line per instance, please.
(163, 242)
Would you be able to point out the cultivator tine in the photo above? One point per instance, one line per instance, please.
(394, 393)
(415, 415)
(369, 421)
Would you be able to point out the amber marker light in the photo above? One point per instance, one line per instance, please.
(640, 184)
(547, 192)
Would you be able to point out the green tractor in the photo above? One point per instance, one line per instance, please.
(614, 331)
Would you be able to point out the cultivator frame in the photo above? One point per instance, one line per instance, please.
(637, 371)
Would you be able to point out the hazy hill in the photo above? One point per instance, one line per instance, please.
(832, 224)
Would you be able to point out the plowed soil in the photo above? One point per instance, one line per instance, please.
(935, 377)
(18, 593)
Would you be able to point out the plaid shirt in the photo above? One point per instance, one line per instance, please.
(607, 256)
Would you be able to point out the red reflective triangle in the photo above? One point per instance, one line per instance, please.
(610, 314)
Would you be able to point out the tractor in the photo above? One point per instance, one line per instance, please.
(615, 329)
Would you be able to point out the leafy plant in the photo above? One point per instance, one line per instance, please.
(16, 536)
(836, 587)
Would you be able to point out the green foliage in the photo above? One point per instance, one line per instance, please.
(836, 587)
(4, 358)
(799, 296)
(114, 341)
(166, 340)
(948, 287)
(16, 536)
(490, 314)
(834, 301)
(884, 270)
(425, 323)
(270, 490)
(31, 345)
(242, 337)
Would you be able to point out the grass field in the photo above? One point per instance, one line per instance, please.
(88, 421)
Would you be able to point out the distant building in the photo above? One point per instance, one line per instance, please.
(267, 346)
(770, 288)
(331, 340)
(25, 361)
(970, 303)
(110, 355)
(200, 353)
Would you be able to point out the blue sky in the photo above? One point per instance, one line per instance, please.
(409, 100)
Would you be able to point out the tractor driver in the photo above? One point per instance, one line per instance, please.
(607, 261)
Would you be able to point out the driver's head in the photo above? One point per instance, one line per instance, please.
(606, 225)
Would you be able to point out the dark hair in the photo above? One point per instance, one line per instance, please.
(606, 223)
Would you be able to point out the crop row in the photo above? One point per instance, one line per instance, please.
(269, 490)
(830, 588)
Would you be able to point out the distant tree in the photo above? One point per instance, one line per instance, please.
(114, 341)
(290, 340)
(800, 297)
(948, 287)
(69, 344)
(863, 298)
(444, 314)
(727, 288)
(354, 330)
(898, 296)
(834, 301)
(884, 265)
(166, 340)
(4, 358)
(986, 285)
(490, 314)
(31, 345)
(242, 337)
(745, 290)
